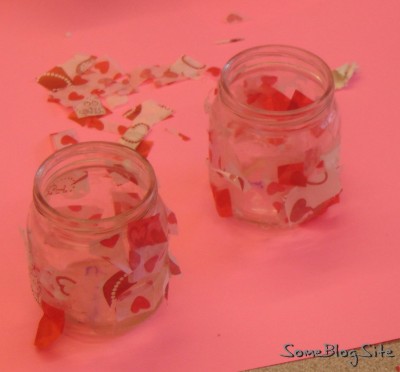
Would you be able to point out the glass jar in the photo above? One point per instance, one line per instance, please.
(98, 238)
(274, 137)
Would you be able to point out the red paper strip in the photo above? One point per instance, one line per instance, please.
(222, 200)
(50, 327)
(144, 148)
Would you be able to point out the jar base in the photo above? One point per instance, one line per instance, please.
(97, 332)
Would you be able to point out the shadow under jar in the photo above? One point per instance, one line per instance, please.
(98, 238)
(274, 137)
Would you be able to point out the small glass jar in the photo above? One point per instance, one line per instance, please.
(98, 238)
(274, 137)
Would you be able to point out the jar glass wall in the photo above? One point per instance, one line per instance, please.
(98, 237)
(274, 137)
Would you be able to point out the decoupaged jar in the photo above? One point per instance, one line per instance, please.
(98, 237)
(274, 137)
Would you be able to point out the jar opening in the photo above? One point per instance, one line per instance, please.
(94, 185)
(277, 83)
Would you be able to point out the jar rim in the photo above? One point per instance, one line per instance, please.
(92, 147)
(245, 110)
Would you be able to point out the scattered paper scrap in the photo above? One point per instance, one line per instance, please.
(149, 112)
(234, 18)
(343, 74)
(229, 41)
(176, 133)
(63, 139)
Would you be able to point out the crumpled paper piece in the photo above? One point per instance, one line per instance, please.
(142, 117)
(343, 74)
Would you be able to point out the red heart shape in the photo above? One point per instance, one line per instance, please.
(97, 92)
(102, 66)
(150, 264)
(68, 140)
(79, 80)
(110, 242)
(299, 210)
(73, 96)
(140, 303)
(214, 71)
(95, 123)
(64, 279)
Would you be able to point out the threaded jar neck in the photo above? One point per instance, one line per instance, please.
(293, 68)
(90, 178)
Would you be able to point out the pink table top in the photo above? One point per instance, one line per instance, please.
(244, 291)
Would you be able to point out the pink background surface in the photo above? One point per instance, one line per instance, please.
(244, 291)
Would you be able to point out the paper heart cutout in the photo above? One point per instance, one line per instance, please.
(102, 66)
(73, 96)
(64, 283)
(140, 303)
(110, 242)
(68, 140)
(150, 264)
(299, 210)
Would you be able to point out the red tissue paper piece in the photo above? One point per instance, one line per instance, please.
(292, 175)
(51, 326)
(144, 148)
(146, 231)
(222, 200)
(299, 100)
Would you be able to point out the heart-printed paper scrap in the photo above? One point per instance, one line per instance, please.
(343, 74)
(63, 139)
